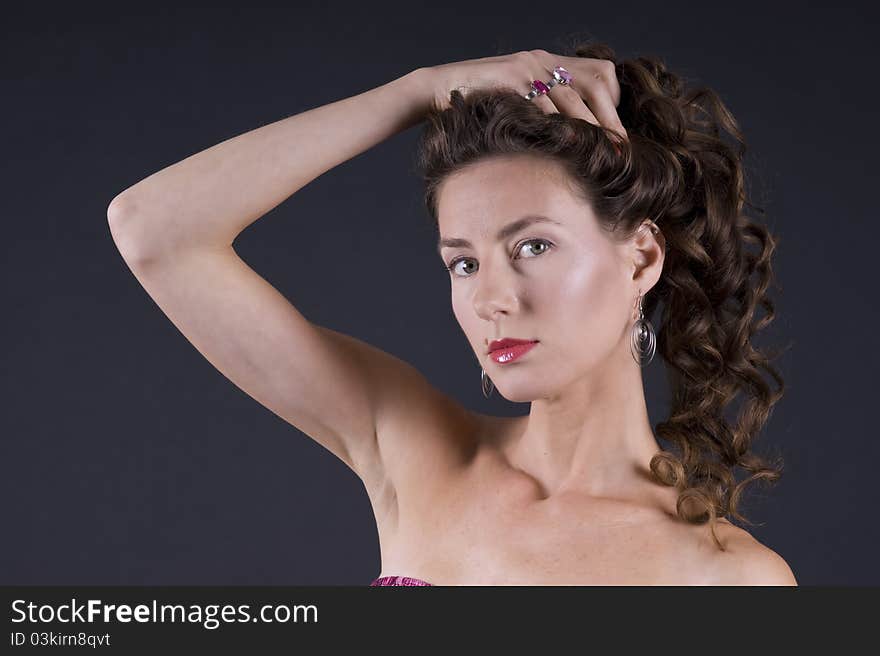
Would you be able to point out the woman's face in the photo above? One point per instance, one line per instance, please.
(566, 284)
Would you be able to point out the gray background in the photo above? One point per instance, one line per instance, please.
(128, 459)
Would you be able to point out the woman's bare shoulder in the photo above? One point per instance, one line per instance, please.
(746, 561)
(427, 437)
(427, 447)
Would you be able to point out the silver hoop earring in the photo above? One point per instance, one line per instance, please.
(487, 384)
(644, 341)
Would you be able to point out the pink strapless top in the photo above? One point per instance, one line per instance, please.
(398, 580)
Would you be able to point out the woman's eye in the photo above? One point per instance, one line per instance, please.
(545, 246)
(540, 242)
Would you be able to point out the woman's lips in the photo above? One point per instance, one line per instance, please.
(511, 353)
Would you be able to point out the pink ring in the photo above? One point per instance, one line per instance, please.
(540, 87)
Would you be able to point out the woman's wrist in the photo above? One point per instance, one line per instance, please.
(423, 85)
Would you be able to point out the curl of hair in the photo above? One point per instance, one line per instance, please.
(677, 170)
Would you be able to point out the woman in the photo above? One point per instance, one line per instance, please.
(562, 231)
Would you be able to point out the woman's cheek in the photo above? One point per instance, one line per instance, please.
(590, 298)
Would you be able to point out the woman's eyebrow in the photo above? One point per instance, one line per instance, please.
(507, 231)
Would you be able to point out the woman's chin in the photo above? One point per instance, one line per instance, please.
(519, 393)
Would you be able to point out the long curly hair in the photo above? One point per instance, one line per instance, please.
(676, 169)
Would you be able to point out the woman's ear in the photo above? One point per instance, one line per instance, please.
(648, 250)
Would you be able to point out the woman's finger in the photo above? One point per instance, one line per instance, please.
(531, 68)
(565, 101)
(594, 86)
(545, 103)
(596, 91)
(570, 103)
(542, 100)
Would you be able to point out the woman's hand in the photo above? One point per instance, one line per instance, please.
(593, 94)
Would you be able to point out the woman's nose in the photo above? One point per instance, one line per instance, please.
(495, 294)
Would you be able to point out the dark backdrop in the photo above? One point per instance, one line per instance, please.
(128, 459)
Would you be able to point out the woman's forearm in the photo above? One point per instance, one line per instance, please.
(208, 198)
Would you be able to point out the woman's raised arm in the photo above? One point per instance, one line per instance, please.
(208, 198)
(175, 231)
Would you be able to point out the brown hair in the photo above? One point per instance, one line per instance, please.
(675, 169)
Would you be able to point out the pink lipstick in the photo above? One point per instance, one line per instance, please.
(508, 350)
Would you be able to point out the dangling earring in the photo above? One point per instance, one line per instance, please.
(644, 341)
(487, 384)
